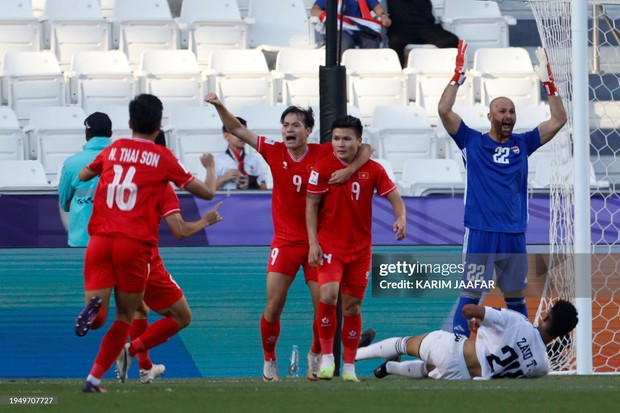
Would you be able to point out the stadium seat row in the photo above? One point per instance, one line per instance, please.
(241, 77)
(398, 133)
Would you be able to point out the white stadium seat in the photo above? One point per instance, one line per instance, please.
(400, 133)
(71, 26)
(11, 136)
(506, 72)
(54, 133)
(211, 25)
(119, 115)
(264, 120)
(297, 74)
(429, 70)
(141, 25)
(480, 23)
(240, 78)
(173, 76)
(22, 175)
(421, 176)
(192, 131)
(31, 79)
(274, 28)
(374, 78)
(19, 29)
(99, 79)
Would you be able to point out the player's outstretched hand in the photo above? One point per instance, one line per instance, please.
(400, 228)
(459, 65)
(213, 99)
(213, 216)
(543, 70)
(461, 53)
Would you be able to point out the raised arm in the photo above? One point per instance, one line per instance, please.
(400, 212)
(182, 229)
(315, 254)
(231, 123)
(342, 175)
(451, 121)
(549, 128)
(208, 161)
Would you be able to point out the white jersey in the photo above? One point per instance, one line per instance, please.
(509, 346)
(251, 166)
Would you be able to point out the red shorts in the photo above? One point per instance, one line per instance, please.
(350, 270)
(286, 259)
(117, 262)
(161, 289)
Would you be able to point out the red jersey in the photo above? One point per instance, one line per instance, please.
(290, 181)
(345, 212)
(133, 176)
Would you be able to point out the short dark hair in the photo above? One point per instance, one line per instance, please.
(160, 139)
(350, 122)
(243, 122)
(145, 113)
(306, 114)
(563, 318)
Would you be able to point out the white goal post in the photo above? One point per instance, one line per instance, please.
(584, 229)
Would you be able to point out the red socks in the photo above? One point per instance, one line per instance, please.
(138, 327)
(351, 329)
(111, 346)
(326, 320)
(316, 343)
(269, 333)
(157, 333)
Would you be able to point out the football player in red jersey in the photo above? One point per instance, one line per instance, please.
(290, 161)
(124, 225)
(339, 219)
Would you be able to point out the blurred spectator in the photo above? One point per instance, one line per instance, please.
(359, 27)
(413, 22)
(75, 196)
(237, 169)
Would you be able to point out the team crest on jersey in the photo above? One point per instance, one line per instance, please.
(314, 178)
(284, 165)
(364, 175)
(516, 149)
(269, 141)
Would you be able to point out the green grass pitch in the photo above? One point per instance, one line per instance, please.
(549, 394)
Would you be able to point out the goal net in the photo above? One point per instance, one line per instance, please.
(553, 18)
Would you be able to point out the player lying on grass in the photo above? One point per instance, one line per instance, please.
(507, 345)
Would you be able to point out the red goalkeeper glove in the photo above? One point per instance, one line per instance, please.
(459, 70)
(544, 72)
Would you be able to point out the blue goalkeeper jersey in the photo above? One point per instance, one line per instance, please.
(496, 197)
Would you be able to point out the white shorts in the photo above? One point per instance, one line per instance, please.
(445, 351)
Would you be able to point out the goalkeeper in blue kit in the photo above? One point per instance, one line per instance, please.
(496, 200)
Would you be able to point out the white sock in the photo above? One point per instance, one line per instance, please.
(327, 360)
(412, 368)
(93, 380)
(348, 368)
(384, 349)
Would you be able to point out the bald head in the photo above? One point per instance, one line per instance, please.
(501, 101)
